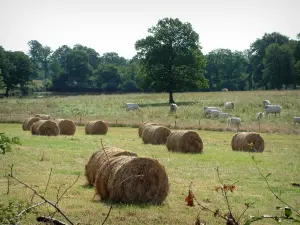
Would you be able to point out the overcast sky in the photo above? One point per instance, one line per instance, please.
(115, 25)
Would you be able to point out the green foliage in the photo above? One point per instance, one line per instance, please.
(5, 143)
(171, 57)
(9, 213)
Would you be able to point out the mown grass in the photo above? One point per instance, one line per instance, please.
(67, 157)
(155, 108)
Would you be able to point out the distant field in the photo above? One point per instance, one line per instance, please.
(67, 157)
(155, 107)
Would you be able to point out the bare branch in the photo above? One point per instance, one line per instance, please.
(47, 220)
(269, 187)
(31, 207)
(107, 215)
(48, 182)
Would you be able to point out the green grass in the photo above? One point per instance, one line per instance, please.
(155, 108)
(67, 157)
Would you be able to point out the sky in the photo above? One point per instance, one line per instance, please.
(115, 25)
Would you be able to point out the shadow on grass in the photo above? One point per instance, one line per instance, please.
(167, 104)
(121, 205)
(87, 186)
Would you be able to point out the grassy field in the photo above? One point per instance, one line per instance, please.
(155, 108)
(67, 157)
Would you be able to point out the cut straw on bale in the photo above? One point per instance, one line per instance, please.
(96, 127)
(29, 122)
(251, 142)
(155, 135)
(66, 127)
(185, 141)
(130, 179)
(99, 158)
(143, 126)
(43, 116)
(45, 128)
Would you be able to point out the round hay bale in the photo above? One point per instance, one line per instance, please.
(99, 158)
(45, 128)
(96, 127)
(66, 127)
(243, 142)
(185, 141)
(155, 135)
(43, 116)
(143, 126)
(132, 180)
(29, 122)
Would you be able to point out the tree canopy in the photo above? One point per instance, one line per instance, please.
(171, 58)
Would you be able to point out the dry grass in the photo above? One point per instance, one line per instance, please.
(155, 108)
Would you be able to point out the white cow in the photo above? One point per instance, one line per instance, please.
(266, 102)
(272, 109)
(224, 89)
(213, 113)
(259, 116)
(173, 107)
(234, 121)
(132, 106)
(229, 105)
(296, 120)
(207, 109)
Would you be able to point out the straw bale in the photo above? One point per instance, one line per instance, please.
(185, 141)
(66, 127)
(143, 126)
(243, 141)
(45, 127)
(130, 179)
(99, 158)
(155, 135)
(29, 122)
(96, 127)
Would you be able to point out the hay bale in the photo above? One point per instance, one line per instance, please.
(185, 141)
(29, 122)
(143, 126)
(43, 116)
(99, 158)
(130, 179)
(96, 127)
(45, 127)
(66, 127)
(155, 135)
(242, 142)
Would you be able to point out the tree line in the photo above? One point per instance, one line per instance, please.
(169, 59)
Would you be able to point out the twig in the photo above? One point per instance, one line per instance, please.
(269, 217)
(224, 192)
(31, 207)
(42, 197)
(248, 206)
(53, 221)
(48, 182)
(107, 215)
(68, 188)
(276, 196)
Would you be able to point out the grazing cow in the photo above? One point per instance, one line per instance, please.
(234, 121)
(132, 106)
(229, 105)
(272, 109)
(259, 116)
(207, 109)
(213, 113)
(224, 115)
(224, 89)
(173, 107)
(266, 102)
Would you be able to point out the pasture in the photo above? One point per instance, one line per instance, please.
(67, 156)
(155, 108)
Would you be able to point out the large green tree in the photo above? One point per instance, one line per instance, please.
(171, 57)
(40, 56)
(17, 71)
(279, 66)
(258, 52)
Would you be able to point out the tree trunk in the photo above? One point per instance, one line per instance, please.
(171, 100)
(6, 92)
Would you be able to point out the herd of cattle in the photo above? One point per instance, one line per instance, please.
(216, 112)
